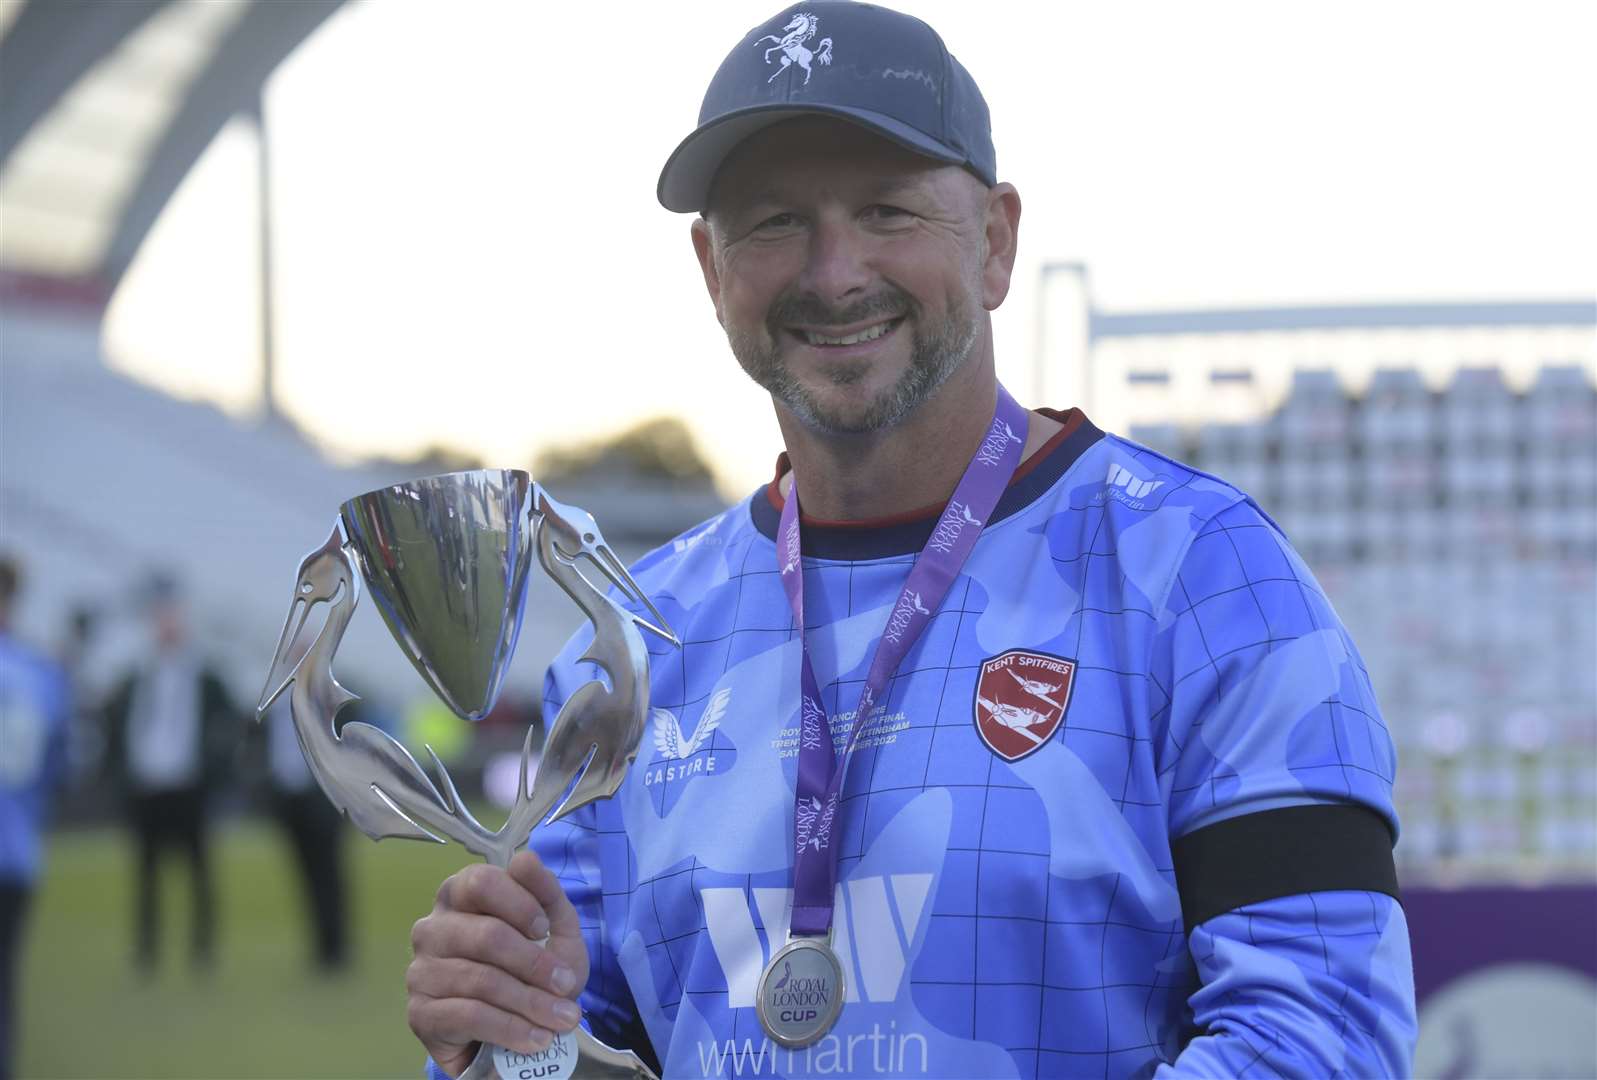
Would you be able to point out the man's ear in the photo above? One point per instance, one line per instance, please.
(1002, 225)
(704, 248)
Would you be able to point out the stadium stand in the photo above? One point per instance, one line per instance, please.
(1456, 533)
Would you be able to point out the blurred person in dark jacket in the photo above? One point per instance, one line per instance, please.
(34, 708)
(312, 824)
(171, 730)
(314, 828)
(85, 734)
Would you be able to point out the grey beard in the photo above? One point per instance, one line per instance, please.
(935, 354)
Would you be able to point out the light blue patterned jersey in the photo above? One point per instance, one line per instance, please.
(1132, 653)
(33, 748)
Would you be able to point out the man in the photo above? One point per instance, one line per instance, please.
(312, 825)
(171, 732)
(33, 749)
(1117, 796)
(314, 829)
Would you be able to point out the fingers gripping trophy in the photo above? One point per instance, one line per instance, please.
(446, 559)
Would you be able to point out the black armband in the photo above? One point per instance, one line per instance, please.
(1275, 853)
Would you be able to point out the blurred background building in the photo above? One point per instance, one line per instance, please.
(107, 108)
(1436, 463)
(108, 481)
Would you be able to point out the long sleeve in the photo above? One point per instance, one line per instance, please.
(1314, 985)
(1279, 771)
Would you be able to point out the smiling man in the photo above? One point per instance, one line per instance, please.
(1017, 749)
(854, 278)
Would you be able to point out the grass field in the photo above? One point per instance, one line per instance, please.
(261, 1012)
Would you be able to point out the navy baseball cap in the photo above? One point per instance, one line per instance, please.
(885, 71)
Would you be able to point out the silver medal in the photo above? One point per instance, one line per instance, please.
(801, 992)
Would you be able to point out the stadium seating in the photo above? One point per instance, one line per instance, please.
(1456, 534)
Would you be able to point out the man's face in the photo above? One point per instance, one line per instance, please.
(170, 629)
(846, 271)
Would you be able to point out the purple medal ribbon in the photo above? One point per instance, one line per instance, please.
(820, 772)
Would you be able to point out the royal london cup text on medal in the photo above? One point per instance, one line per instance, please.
(801, 992)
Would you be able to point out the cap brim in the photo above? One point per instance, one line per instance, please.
(685, 181)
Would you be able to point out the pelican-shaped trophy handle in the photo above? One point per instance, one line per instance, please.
(382, 789)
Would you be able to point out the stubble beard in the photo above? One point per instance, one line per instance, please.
(936, 352)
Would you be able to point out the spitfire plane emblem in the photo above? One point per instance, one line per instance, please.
(1021, 698)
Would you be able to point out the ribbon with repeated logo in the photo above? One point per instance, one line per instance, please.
(820, 768)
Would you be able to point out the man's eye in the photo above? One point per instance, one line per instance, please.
(888, 214)
(778, 221)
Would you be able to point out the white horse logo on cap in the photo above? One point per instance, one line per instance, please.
(791, 46)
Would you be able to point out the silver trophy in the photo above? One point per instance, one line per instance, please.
(446, 559)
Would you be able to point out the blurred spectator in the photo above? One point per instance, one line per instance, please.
(429, 722)
(34, 707)
(507, 722)
(171, 731)
(312, 824)
(315, 831)
(86, 735)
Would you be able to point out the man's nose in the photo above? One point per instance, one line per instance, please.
(839, 261)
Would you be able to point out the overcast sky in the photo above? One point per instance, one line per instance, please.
(469, 250)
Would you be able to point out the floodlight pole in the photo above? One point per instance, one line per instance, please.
(256, 113)
(1079, 348)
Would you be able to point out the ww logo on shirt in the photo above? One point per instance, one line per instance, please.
(874, 955)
